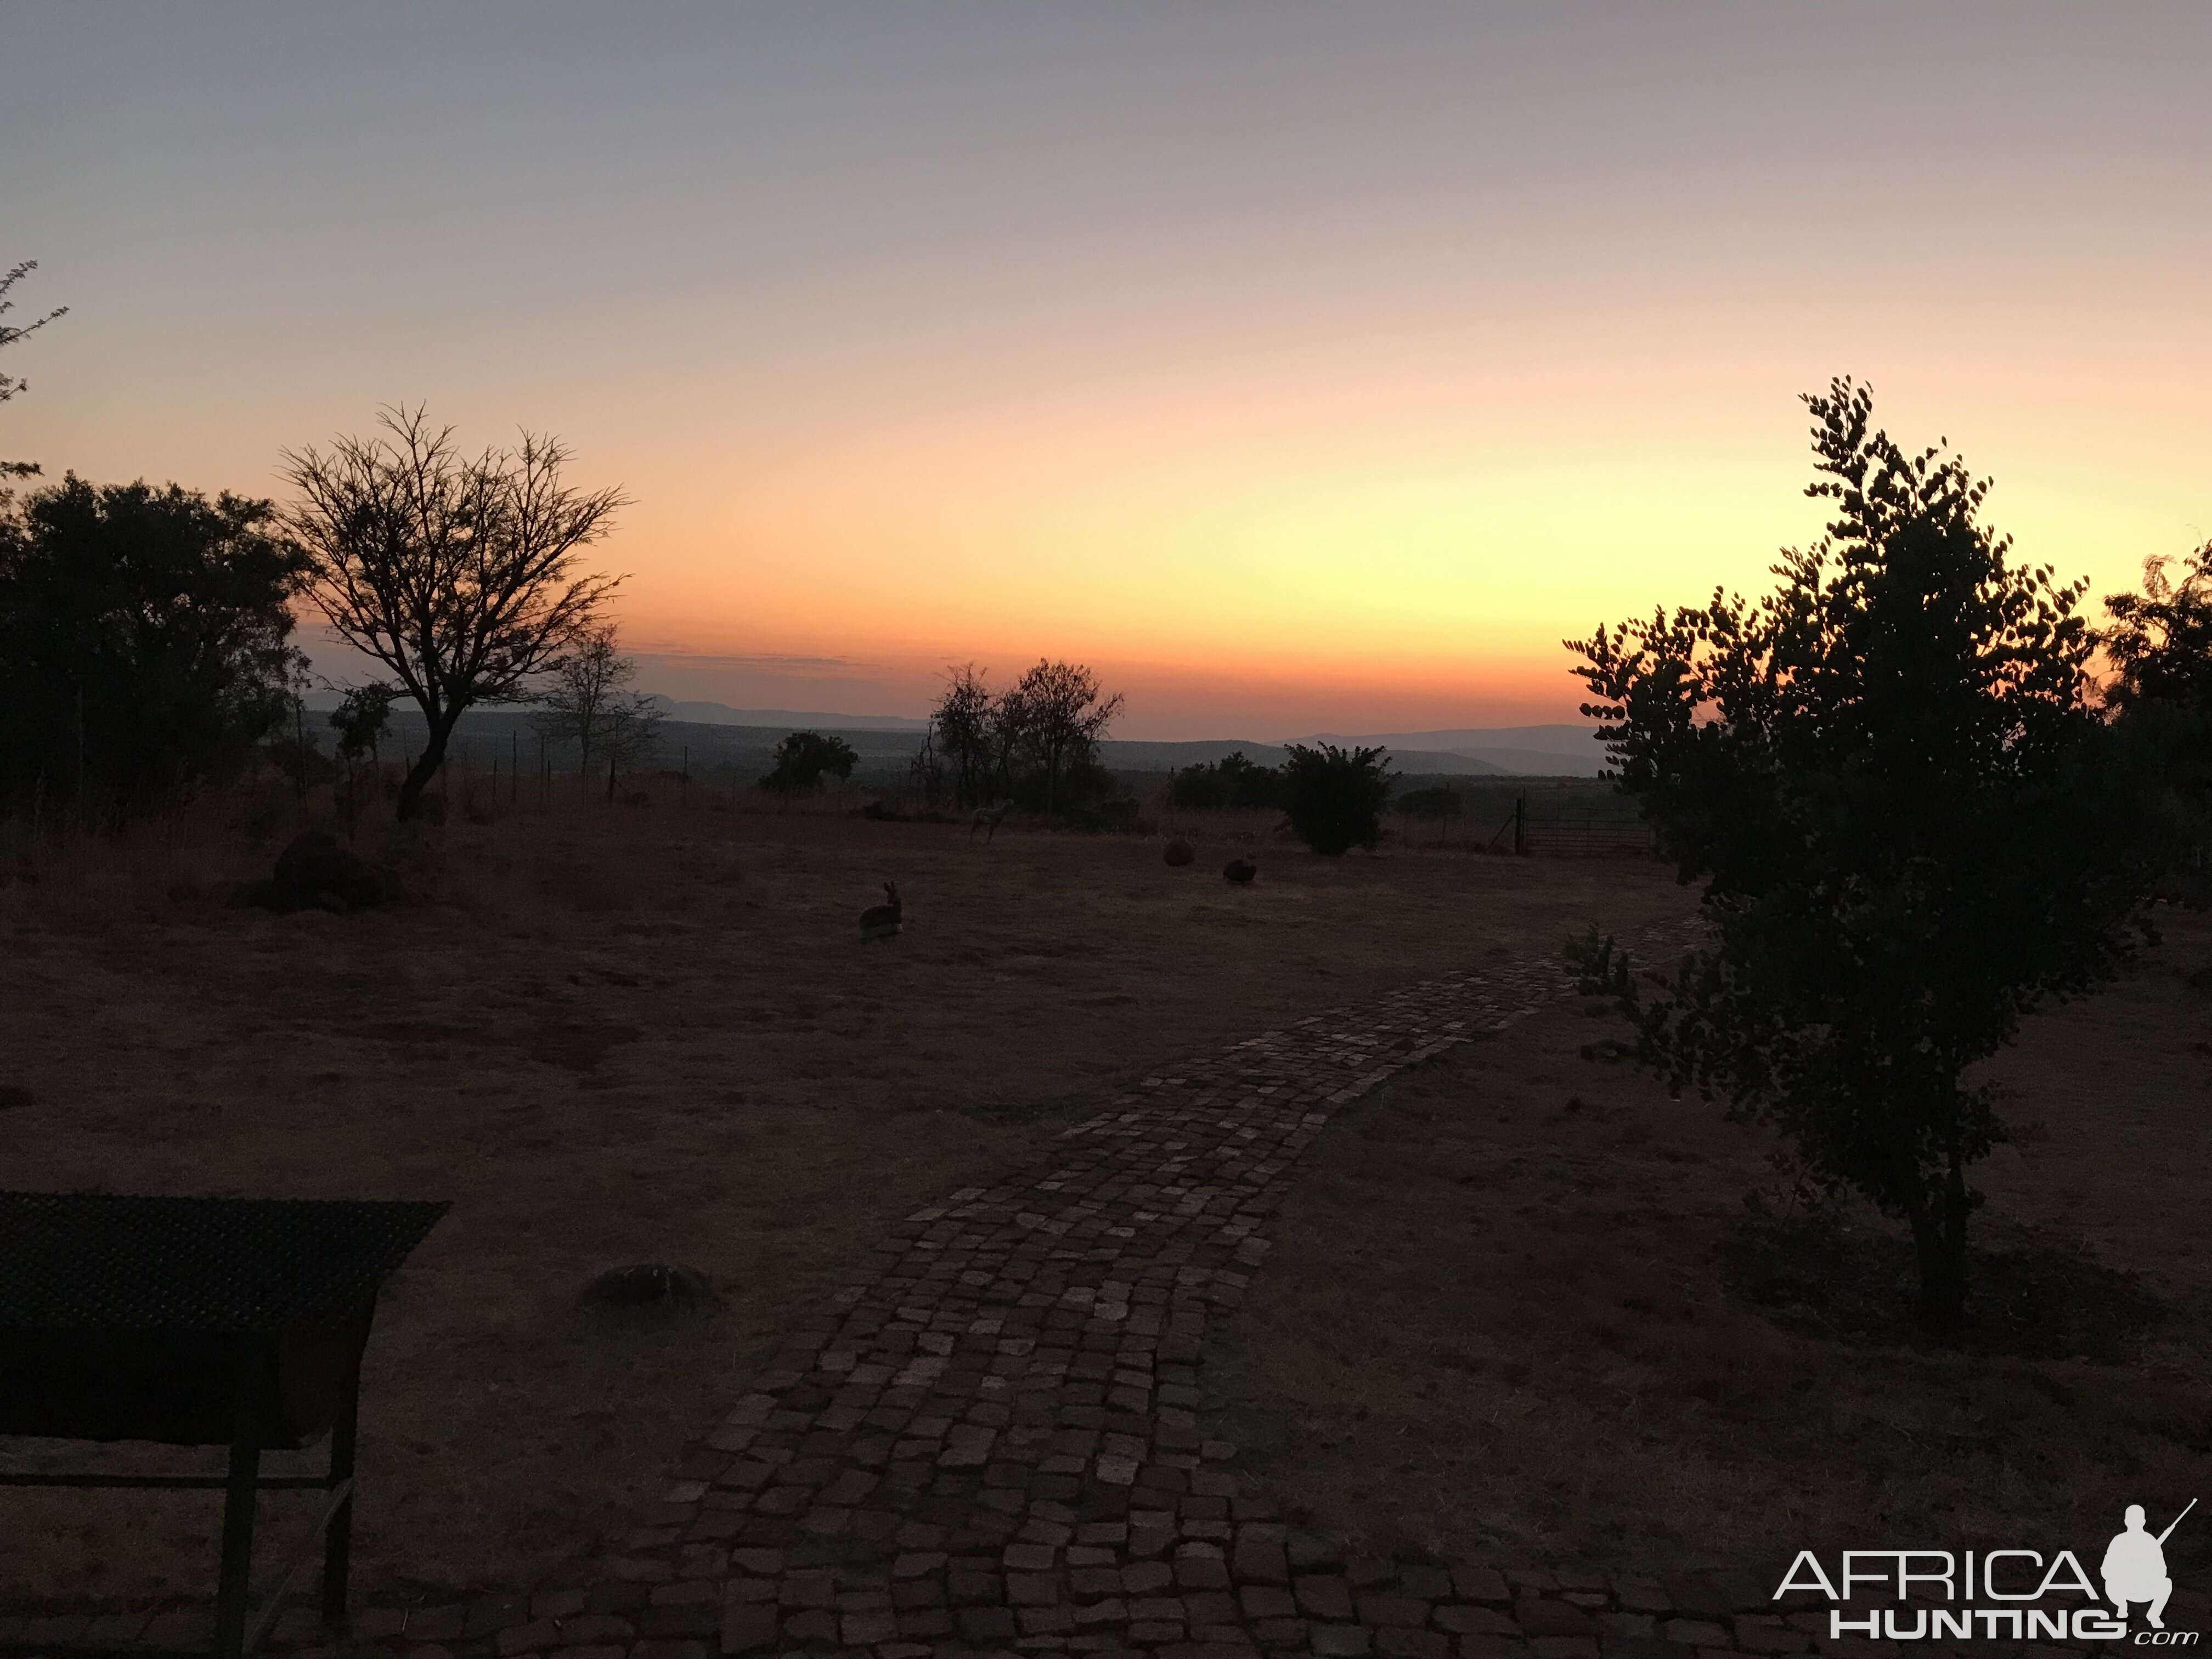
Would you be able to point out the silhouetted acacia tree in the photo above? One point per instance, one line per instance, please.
(960, 735)
(1335, 796)
(143, 639)
(9, 334)
(1058, 711)
(459, 576)
(1889, 775)
(631, 734)
(577, 701)
(803, 757)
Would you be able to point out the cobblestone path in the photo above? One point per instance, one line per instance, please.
(993, 1443)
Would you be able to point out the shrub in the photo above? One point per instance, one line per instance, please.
(1232, 782)
(801, 759)
(1084, 787)
(1335, 796)
(143, 640)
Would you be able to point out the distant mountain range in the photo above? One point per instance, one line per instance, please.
(787, 719)
(1556, 751)
(1458, 752)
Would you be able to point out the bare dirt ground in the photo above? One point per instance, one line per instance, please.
(628, 1035)
(1530, 1310)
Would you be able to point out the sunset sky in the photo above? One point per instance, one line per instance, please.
(1300, 367)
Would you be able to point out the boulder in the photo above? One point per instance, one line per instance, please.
(649, 1285)
(315, 870)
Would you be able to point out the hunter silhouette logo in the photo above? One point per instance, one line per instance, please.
(2135, 1566)
(1932, 1595)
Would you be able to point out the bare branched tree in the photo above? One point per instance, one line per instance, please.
(459, 576)
(9, 333)
(632, 734)
(1062, 714)
(583, 684)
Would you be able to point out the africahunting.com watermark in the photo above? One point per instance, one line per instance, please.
(2000, 1594)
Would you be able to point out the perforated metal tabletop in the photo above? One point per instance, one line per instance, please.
(219, 1266)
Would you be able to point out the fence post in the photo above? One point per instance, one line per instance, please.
(1520, 818)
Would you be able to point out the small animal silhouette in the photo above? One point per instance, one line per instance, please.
(882, 921)
(1180, 852)
(1240, 870)
(986, 818)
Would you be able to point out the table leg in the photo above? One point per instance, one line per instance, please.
(238, 1503)
(338, 1534)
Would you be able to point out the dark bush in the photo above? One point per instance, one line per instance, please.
(1227, 784)
(802, 758)
(302, 762)
(1335, 796)
(1083, 788)
(143, 639)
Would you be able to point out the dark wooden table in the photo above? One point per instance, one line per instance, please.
(200, 1322)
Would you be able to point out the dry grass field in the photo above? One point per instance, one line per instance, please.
(631, 1035)
(1524, 1313)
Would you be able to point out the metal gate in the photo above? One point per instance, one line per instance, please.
(1581, 823)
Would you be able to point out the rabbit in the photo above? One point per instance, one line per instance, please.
(882, 921)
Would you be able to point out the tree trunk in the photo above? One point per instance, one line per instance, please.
(1939, 1240)
(425, 765)
(419, 775)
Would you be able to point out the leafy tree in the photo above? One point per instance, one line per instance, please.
(1335, 796)
(1060, 714)
(362, 718)
(1009, 725)
(1233, 783)
(2160, 647)
(803, 757)
(962, 736)
(1889, 775)
(143, 639)
(2160, 642)
(9, 334)
(459, 576)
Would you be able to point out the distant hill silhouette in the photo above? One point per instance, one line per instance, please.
(1136, 755)
(1527, 750)
(742, 737)
(794, 719)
